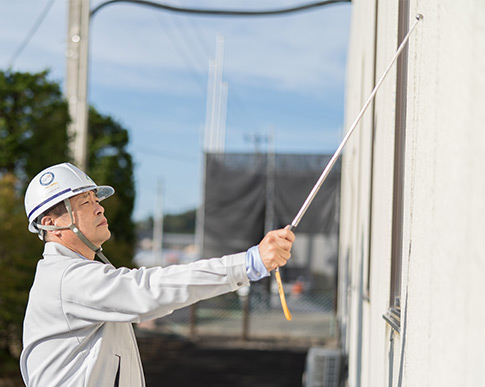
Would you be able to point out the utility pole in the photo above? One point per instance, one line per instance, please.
(76, 79)
(157, 238)
(216, 108)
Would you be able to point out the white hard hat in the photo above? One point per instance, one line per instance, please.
(53, 185)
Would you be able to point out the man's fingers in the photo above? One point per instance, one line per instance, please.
(278, 246)
(275, 248)
(283, 233)
(283, 261)
(286, 233)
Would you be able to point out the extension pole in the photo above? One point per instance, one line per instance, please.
(336, 155)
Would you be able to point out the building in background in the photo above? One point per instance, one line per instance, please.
(411, 258)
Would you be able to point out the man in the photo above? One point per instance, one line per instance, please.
(78, 324)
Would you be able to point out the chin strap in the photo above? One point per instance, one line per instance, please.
(97, 250)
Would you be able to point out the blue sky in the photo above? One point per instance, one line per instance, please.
(149, 70)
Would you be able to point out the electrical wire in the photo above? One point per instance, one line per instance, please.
(221, 12)
(188, 59)
(189, 56)
(202, 45)
(31, 33)
(238, 106)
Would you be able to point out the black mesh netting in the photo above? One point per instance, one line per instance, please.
(246, 193)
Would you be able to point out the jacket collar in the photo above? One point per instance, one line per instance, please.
(54, 248)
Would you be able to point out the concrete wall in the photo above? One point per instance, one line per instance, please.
(441, 341)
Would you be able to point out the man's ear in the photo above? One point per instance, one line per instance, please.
(49, 220)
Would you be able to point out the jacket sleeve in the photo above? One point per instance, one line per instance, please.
(92, 292)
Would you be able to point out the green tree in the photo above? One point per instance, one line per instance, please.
(17, 263)
(111, 164)
(33, 120)
(183, 223)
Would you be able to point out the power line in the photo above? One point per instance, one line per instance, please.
(185, 55)
(221, 12)
(204, 47)
(32, 32)
(206, 52)
(189, 56)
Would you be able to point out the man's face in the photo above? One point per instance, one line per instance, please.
(89, 217)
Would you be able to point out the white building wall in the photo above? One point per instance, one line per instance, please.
(441, 340)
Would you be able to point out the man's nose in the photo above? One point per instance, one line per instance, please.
(99, 209)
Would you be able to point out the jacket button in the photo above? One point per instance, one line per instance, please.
(239, 284)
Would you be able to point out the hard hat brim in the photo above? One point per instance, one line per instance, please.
(102, 192)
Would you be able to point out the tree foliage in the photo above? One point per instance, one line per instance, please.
(111, 164)
(17, 263)
(183, 223)
(33, 135)
(33, 120)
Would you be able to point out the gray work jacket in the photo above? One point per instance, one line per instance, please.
(78, 324)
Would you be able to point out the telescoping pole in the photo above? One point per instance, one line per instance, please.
(336, 155)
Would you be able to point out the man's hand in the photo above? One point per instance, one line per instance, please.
(275, 248)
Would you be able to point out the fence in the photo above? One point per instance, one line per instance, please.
(257, 316)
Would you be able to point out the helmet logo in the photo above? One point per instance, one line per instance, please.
(89, 179)
(46, 178)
